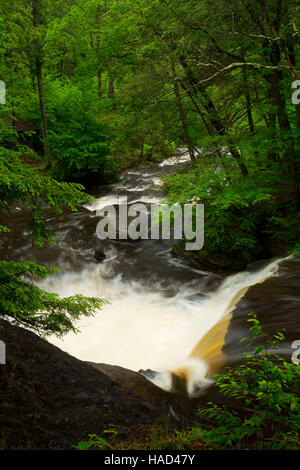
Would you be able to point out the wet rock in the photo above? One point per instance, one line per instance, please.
(148, 373)
(178, 407)
(99, 255)
(51, 400)
(208, 261)
(134, 381)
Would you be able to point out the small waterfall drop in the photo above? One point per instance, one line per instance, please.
(143, 329)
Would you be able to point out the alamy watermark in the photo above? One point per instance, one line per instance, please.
(2, 92)
(2, 352)
(296, 353)
(296, 94)
(132, 222)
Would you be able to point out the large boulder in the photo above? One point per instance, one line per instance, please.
(51, 400)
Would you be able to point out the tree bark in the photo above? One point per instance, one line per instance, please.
(69, 59)
(183, 121)
(69, 66)
(99, 84)
(211, 111)
(62, 70)
(36, 6)
(111, 89)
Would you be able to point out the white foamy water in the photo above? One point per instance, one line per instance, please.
(129, 185)
(141, 328)
(113, 200)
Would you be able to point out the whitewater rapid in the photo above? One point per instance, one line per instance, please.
(141, 328)
(144, 327)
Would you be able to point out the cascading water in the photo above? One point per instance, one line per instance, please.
(141, 328)
(163, 315)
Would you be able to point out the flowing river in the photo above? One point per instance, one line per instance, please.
(162, 314)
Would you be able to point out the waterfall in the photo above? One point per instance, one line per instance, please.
(143, 329)
(161, 314)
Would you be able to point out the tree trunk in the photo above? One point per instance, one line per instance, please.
(211, 111)
(248, 99)
(99, 84)
(69, 59)
(142, 148)
(111, 89)
(278, 101)
(39, 72)
(183, 119)
(62, 70)
(248, 104)
(69, 67)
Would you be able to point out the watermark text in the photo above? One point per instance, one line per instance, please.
(136, 221)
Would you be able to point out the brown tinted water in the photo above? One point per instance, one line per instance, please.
(163, 314)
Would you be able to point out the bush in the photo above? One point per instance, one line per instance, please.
(245, 218)
(79, 143)
(21, 301)
(267, 389)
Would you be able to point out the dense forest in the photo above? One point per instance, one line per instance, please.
(94, 87)
(111, 84)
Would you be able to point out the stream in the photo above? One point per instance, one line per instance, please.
(162, 315)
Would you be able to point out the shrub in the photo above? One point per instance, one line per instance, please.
(267, 389)
(244, 217)
(79, 143)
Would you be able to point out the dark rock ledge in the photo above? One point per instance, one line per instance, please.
(51, 400)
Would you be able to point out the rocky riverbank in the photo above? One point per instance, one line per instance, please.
(51, 400)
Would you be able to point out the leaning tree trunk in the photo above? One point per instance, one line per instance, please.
(278, 100)
(215, 120)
